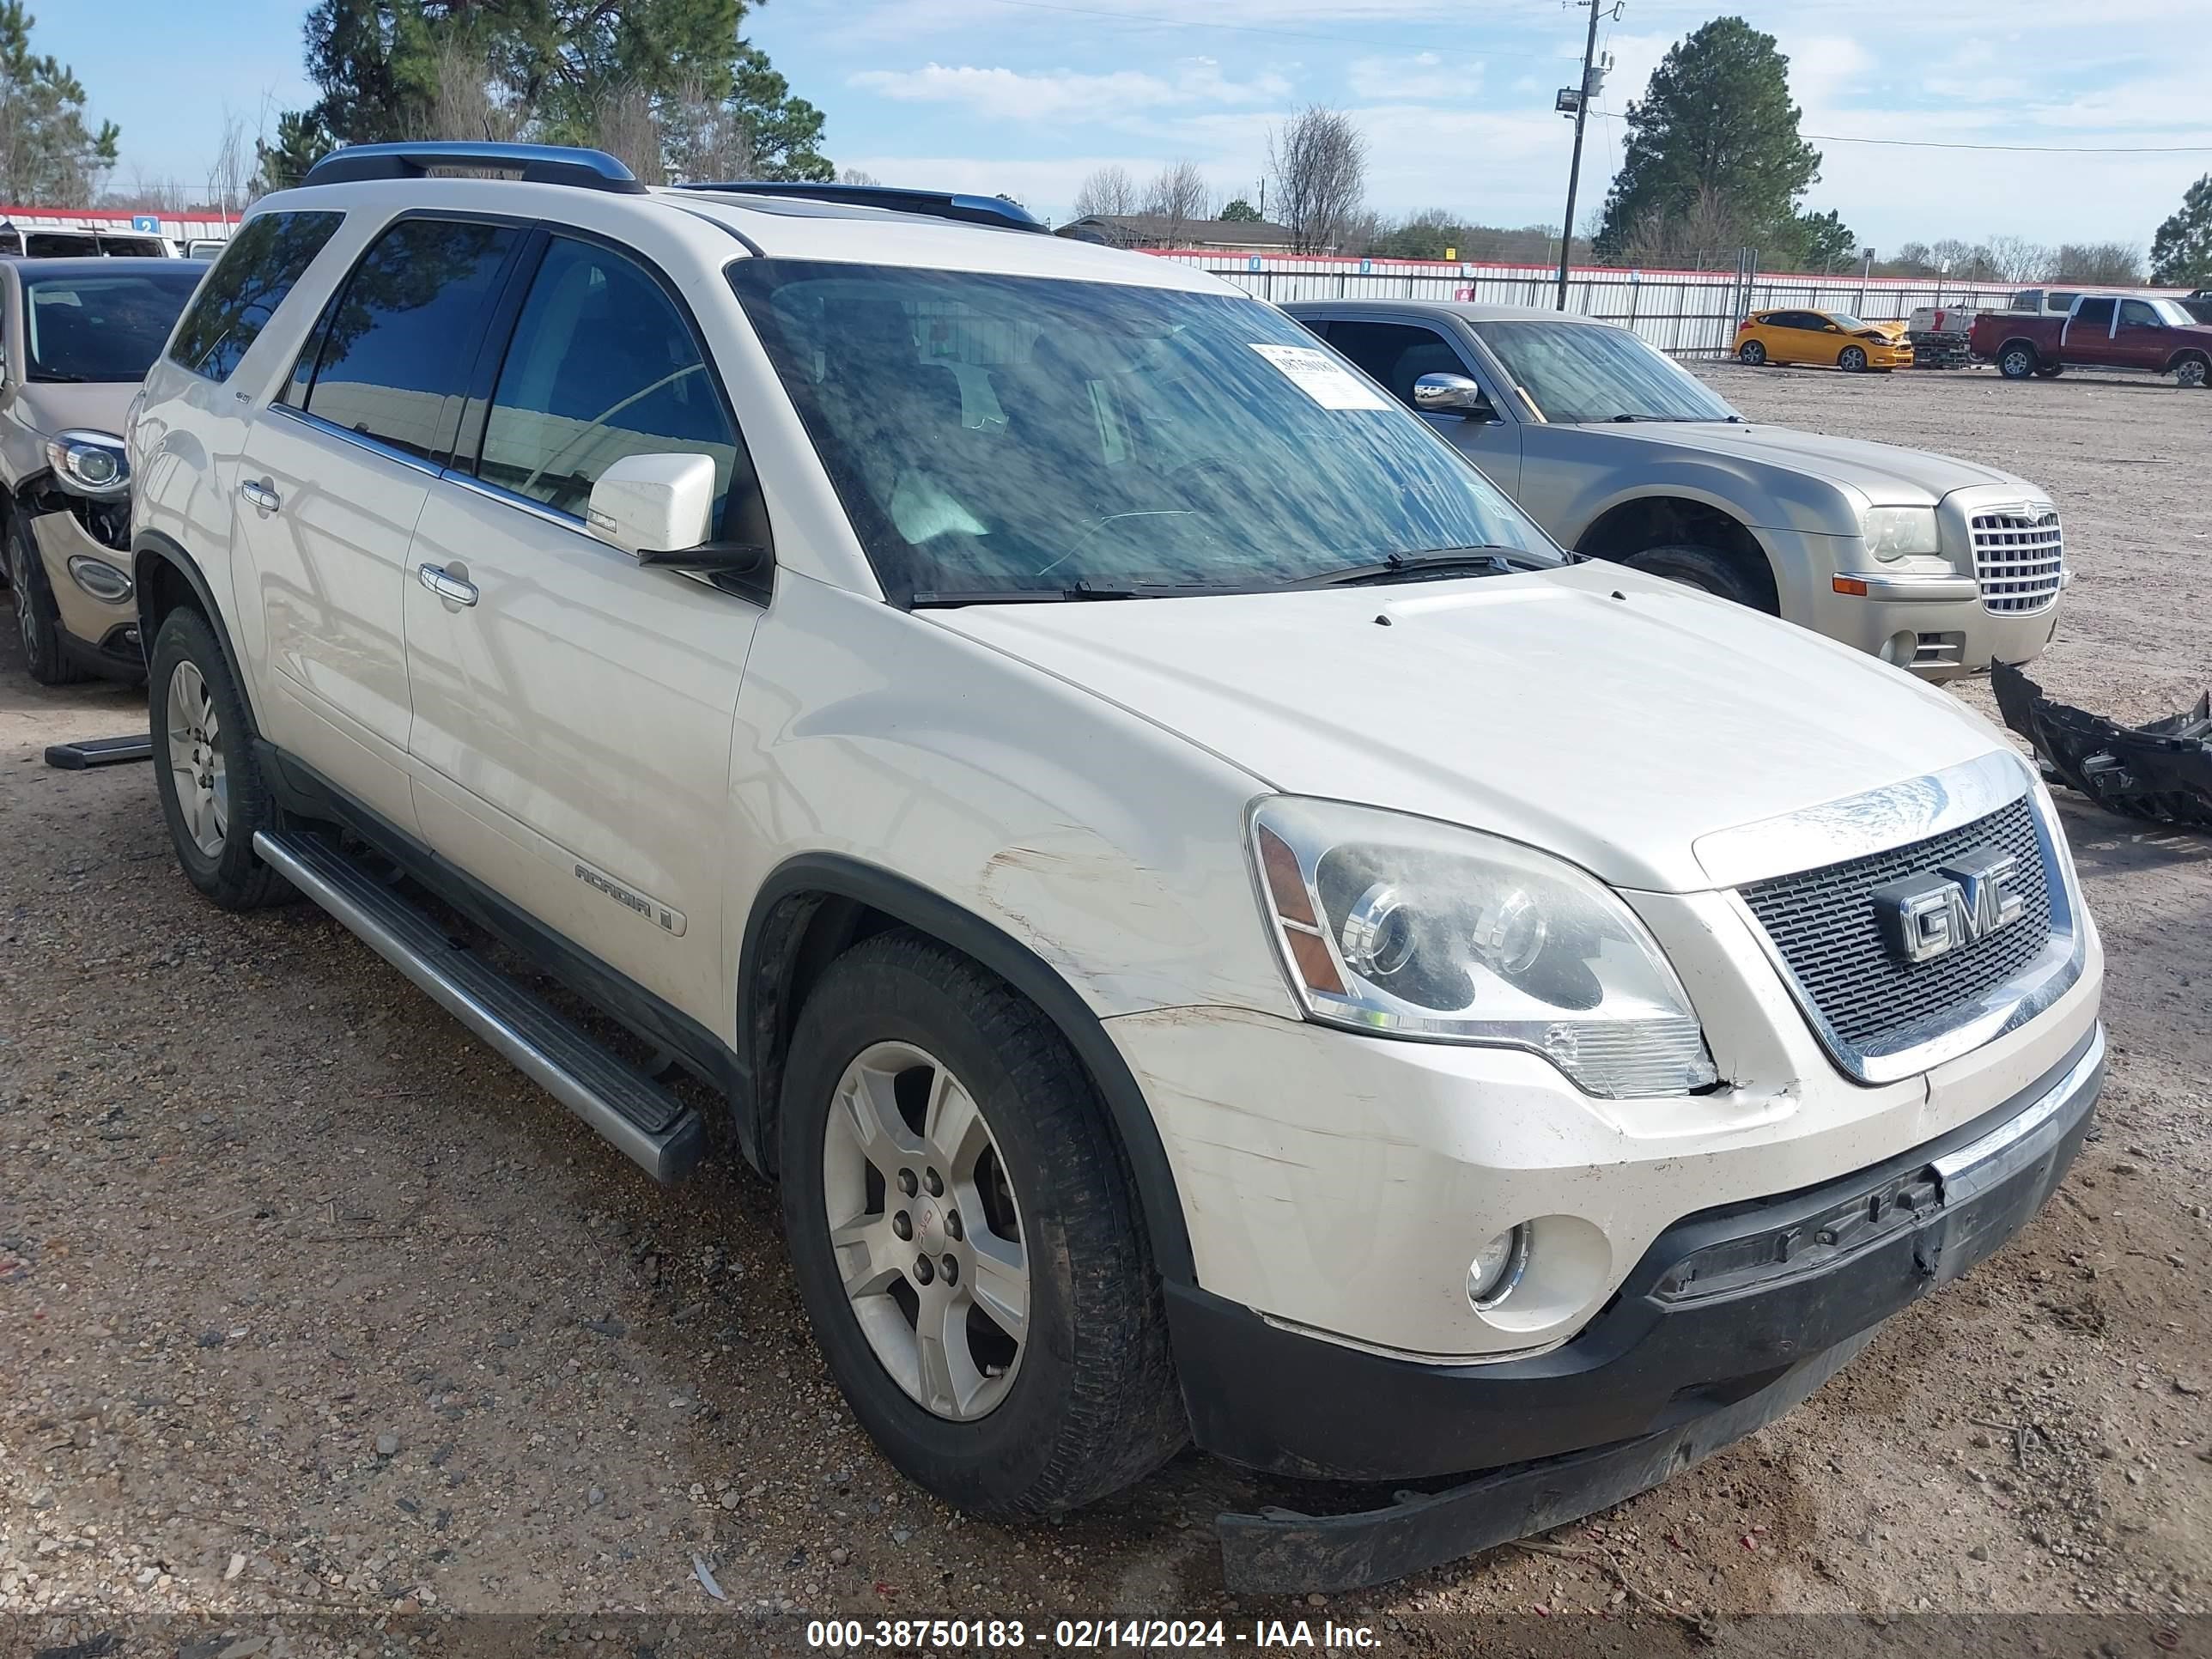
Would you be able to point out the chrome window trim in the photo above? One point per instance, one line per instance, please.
(2002, 1008)
(358, 439)
(521, 504)
(1895, 815)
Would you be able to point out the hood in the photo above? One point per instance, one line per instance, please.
(60, 407)
(1885, 474)
(1601, 716)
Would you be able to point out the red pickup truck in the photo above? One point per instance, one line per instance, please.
(2103, 330)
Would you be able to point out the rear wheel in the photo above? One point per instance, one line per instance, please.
(2018, 361)
(38, 623)
(1852, 360)
(965, 1238)
(213, 795)
(1707, 569)
(1752, 354)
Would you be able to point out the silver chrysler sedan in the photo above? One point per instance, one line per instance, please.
(1934, 564)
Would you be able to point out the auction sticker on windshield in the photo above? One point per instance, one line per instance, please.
(1325, 382)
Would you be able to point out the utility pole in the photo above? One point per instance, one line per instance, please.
(1581, 110)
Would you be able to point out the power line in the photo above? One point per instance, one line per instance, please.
(1287, 35)
(2025, 149)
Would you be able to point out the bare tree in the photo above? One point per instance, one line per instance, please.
(2018, 260)
(858, 176)
(1710, 232)
(232, 170)
(466, 105)
(705, 139)
(1317, 162)
(1108, 193)
(626, 125)
(1177, 198)
(2116, 264)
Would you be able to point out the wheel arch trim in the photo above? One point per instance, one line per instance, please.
(837, 876)
(150, 547)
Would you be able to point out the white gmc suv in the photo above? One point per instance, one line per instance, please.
(1219, 928)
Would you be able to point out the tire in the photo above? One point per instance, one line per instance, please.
(1852, 360)
(188, 682)
(2017, 361)
(2193, 373)
(1704, 568)
(1752, 354)
(2049, 371)
(1085, 1403)
(38, 623)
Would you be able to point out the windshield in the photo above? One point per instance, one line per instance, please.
(2173, 313)
(1845, 321)
(1583, 372)
(106, 326)
(990, 433)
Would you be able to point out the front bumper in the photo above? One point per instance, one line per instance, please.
(1937, 626)
(1731, 1316)
(101, 634)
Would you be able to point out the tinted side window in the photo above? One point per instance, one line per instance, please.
(243, 291)
(602, 365)
(397, 346)
(2095, 313)
(1396, 355)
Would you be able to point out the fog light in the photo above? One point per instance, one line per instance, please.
(99, 577)
(1496, 1267)
(1899, 648)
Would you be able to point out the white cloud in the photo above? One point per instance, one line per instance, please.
(1422, 78)
(1066, 94)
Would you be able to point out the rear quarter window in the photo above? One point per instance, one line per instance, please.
(241, 294)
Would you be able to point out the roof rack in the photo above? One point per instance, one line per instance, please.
(994, 211)
(535, 164)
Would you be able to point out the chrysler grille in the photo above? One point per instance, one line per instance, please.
(2019, 559)
(1822, 924)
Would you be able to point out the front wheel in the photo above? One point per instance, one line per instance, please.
(38, 622)
(1704, 568)
(210, 782)
(2018, 362)
(1852, 360)
(965, 1239)
(2191, 371)
(1751, 354)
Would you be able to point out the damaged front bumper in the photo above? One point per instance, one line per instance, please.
(2161, 771)
(1733, 1316)
(83, 546)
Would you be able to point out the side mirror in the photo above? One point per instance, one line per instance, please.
(659, 510)
(1451, 394)
(654, 503)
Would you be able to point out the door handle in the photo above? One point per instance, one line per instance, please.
(434, 578)
(260, 494)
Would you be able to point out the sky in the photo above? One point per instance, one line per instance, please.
(1027, 96)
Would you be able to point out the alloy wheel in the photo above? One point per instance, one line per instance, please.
(196, 760)
(19, 579)
(926, 1231)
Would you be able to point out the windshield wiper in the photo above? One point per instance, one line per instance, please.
(934, 599)
(1478, 561)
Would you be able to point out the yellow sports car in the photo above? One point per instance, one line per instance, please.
(1824, 338)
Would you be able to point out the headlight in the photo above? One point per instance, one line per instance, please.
(1892, 532)
(1405, 926)
(89, 463)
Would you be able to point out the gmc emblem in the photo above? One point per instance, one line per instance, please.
(1928, 916)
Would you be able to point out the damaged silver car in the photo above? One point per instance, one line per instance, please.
(75, 338)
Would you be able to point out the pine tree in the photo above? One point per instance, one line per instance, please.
(1715, 122)
(48, 153)
(2181, 252)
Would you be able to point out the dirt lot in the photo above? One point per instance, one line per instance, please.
(309, 1304)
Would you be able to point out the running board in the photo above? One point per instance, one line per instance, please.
(658, 1132)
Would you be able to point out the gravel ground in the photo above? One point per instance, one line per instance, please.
(310, 1305)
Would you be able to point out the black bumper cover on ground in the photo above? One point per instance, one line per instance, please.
(1733, 1316)
(2161, 771)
